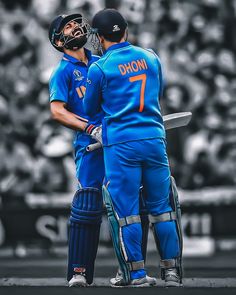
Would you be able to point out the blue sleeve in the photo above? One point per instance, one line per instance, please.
(160, 72)
(160, 79)
(93, 94)
(59, 85)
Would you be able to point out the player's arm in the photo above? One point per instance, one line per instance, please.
(160, 78)
(93, 94)
(67, 118)
(160, 72)
(59, 90)
(73, 121)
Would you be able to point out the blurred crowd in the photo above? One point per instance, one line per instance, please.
(196, 43)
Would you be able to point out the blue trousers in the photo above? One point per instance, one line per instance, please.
(89, 167)
(127, 166)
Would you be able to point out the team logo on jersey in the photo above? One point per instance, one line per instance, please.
(78, 75)
(116, 28)
(89, 81)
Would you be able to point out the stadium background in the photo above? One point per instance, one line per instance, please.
(197, 45)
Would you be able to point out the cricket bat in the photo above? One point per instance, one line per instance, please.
(171, 121)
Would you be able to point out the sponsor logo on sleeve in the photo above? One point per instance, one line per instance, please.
(89, 81)
(52, 93)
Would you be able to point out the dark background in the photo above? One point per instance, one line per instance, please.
(196, 43)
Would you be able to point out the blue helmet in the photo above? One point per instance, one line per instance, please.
(109, 22)
(76, 39)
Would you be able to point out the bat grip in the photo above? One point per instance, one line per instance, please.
(93, 146)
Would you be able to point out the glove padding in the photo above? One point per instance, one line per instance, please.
(95, 132)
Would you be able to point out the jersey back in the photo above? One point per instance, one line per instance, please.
(131, 88)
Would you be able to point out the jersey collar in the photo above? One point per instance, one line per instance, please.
(70, 58)
(118, 45)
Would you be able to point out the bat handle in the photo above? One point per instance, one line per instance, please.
(93, 146)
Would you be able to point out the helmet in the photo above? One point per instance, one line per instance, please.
(76, 39)
(109, 22)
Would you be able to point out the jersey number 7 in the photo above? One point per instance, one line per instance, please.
(142, 78)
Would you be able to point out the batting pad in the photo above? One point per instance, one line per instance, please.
(116, 233)
(144, 222)
(84, 229)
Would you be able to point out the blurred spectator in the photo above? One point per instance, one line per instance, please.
(196, 43)
(16, 178)
(50, 175)
(53, 146)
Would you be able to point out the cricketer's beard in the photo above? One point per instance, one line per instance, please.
(74, 43)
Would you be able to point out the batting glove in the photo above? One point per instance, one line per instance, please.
(94, 131)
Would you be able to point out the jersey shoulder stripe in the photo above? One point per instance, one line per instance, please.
(62, 69)
(96, 57)
(103, 59)
(154, 53)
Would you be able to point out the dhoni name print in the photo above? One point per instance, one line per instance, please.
(133, 66)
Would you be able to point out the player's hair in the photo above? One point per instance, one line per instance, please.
(114, 37)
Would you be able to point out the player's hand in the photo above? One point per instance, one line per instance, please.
(95, 132)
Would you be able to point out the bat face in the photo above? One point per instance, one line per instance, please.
(177, 120)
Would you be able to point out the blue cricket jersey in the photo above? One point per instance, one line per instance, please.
(68, 84)
(126, 83)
